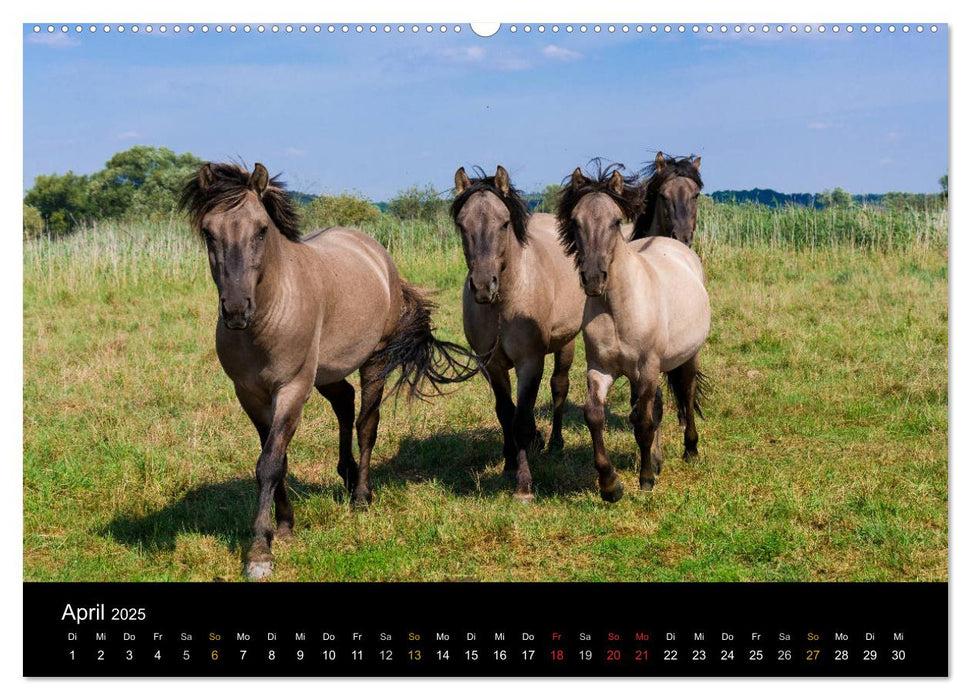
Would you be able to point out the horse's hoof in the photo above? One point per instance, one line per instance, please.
(614, 494)
(361, 502)
(538, 442)
(258, 570)
(524, 497)
(689, 454)
(647, 485)
(284, 533)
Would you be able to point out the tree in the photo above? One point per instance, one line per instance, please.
(423, 203)
(143, 181)
(62, 200)
(344, 209)
(841, 198)
(33, 222)
(550, 199)
(942, 181)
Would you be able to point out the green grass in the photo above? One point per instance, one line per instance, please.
(823, 451)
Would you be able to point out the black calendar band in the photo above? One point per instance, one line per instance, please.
(485, 629)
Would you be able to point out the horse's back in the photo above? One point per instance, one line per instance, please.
(364, 298)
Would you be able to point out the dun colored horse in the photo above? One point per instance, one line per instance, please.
(298, 313)
(647, 312)
(670, 199)
(522, 301)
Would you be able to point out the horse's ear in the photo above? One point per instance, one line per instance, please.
(616, 183)
(577, 180)
(260, 179)
(206, 177)
(659, 162)
(461, 181)
(502, 180)
(696, 163)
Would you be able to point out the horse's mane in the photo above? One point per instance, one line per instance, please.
(514, 201)
(229, 185)
(628, 201)
(673, 167)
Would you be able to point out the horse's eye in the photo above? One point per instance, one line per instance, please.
(618, 223)
(505, 226)
(206, 235)
(262, 233)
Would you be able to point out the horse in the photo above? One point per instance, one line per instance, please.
(670, 199)
(301, 312)
(647, 312)
(521, 301)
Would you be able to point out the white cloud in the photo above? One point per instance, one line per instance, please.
(296, 152)
(465, 54)
(57, 40)
(559, 53)
(819, 126)
(127, 136)
(885, 161)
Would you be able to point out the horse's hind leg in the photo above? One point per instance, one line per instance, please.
(372, 390)
(646, 419)
(560, 387)
(684, 382)
(341, 397)
(598, 384)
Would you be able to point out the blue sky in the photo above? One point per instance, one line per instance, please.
(377, 113)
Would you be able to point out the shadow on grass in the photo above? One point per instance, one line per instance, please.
(224, 510)
(465, 463)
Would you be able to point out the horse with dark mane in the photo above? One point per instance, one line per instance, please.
(646, 312)
(297, 313)
(670, 199)
(521, 302)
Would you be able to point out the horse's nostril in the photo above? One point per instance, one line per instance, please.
(583, 278)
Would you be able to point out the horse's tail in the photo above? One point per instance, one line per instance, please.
(679, 388)
(419, 355)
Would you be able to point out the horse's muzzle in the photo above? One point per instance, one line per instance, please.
(486, 293)
(236, 319)
(594, 285)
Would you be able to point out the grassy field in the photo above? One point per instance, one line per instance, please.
(823, 451)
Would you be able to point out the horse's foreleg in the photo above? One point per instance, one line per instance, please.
(529, 374)
(372, 390)
(341, 397)
(560, 387)
(598, 384)
(271, 471)
(646, 419)
(505, 411)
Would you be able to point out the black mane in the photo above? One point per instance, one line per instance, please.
(673, 167)
(514, 201)
(230, 183)
(629, 201)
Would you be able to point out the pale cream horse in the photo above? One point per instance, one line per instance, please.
(647, 312)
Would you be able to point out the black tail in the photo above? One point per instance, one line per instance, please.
(678, 387)
(419, 355)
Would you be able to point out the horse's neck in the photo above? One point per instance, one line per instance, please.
(655, 228)
(627, 279)
(514, 273)
(271, 293)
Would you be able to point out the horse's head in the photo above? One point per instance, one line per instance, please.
(589, 217)
(237, 213)
(491, 216)
(672, 197)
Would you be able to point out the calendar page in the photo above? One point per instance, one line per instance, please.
(525, 349)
